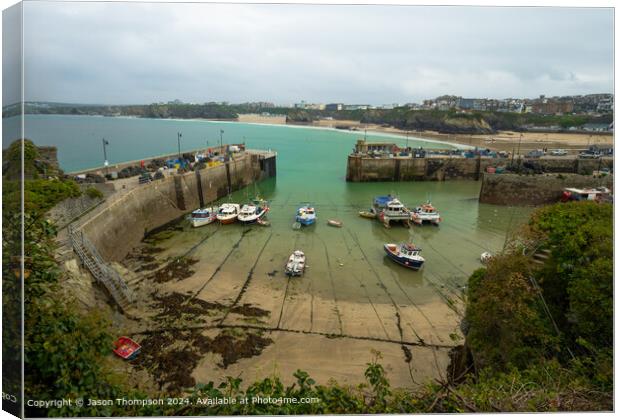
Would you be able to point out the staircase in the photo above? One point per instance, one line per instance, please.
(541, 256)
(100, 270)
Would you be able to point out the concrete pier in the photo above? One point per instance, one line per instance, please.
(121, 223)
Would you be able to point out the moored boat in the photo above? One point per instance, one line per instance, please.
(126, 348)
(368, 214)
(250, 213)
(425, 213)
(306, 215)
(390, 209)
(202, 217)
(485, 257)
(227, 213)
(601, 194)
(296, 264)
(335, 223)
(405, 254)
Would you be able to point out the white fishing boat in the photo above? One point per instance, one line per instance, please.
(202, 217)
(296, 264)
(587, 194)
(250, 213)
(425, 213)
(391, 209)
(227, 213)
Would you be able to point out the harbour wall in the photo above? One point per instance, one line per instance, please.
(540, 189)
(443, 168)
(128, 216)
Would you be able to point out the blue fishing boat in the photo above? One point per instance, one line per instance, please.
(306, 215)
(405, 254)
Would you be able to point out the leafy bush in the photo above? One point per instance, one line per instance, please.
(93, 193)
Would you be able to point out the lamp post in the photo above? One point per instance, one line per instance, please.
(105, 155)
(221, 141)
(179, 135)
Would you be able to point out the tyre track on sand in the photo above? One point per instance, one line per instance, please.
(331, 280)
(288, 330)
(288, 282)
(247, 281)
(202, 241)
(220, 265)
(382, 285)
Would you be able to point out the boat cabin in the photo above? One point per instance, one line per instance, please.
(409, 250)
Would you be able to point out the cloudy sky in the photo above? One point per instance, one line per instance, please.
(142, 53)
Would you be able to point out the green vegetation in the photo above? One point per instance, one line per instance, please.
(529, 318)
(93, 193)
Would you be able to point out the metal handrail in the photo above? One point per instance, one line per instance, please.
(89, 255)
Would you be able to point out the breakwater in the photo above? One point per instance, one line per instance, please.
(129, 215)
(442, 168)
(537, 189)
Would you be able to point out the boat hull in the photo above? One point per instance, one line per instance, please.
(252, 218)
(420, 219)
(202, 221)
(227, 220)
(306, 222)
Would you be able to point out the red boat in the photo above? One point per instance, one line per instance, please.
(126, 348)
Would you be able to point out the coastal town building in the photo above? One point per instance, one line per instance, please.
(334, 107)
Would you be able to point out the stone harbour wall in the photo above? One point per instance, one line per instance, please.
(444, 168)
(514, 189)
(118, 226)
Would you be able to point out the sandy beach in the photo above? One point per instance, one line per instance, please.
(262, 119)
(502, 140)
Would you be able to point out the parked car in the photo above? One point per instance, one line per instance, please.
(145, 178)
(535, 153)
(503, 154)
(559, 152)
(589, 155)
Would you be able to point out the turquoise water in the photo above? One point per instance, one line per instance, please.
(78, 138)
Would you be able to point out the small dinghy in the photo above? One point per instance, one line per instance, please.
(126, 348)
(296, 264)
(202, 217)
(334, 222)
(368, 214)
(485, 257)
(405, 254)
(263, 222)
(296, 226)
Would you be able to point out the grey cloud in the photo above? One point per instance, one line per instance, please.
(137, 52)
